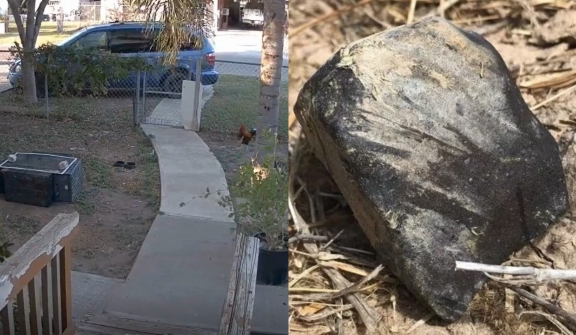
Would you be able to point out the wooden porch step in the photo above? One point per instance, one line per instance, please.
(109, 324)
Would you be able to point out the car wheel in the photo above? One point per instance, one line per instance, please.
(173, 84)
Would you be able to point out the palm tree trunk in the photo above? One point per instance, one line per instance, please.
(271, 68)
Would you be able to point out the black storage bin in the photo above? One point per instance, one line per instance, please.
(27, 187)
(67, 186)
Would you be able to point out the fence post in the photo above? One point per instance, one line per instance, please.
(143, 109)
(136, 105)
(46, 95)
(190, 63)
(198, 96)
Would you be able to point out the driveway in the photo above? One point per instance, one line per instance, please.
(238, 53)
(242, 46)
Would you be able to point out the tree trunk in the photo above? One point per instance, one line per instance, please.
(28, 37)
(60, 22)
(28, 75)
(7, 20)
(271, 68)
(29, 81)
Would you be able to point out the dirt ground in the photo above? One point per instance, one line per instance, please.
(116, 205)
(536, 39)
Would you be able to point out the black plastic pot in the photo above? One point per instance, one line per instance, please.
(272, 266)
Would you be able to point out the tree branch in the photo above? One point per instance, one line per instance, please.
(569, 317)
(15, 8)
(538, 274)
(39, 14)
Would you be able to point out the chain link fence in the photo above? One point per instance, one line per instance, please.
(72, 87)
(229, 96)
(229, 92)
(160, 90)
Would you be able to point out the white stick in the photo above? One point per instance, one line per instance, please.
(539, 274)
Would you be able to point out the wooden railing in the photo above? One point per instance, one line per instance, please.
(236, 318)
(35, 282)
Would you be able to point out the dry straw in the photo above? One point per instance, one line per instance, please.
(336, 284)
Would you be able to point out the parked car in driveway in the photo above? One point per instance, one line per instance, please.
(253, 14)
(132, 40)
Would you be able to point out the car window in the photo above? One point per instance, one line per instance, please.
(194, 43)
(95, 40)
(130, 41)
(72, 37)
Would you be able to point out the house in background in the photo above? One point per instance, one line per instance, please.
(73, 10)
(108, 7)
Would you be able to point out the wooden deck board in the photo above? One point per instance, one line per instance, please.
(107, 324)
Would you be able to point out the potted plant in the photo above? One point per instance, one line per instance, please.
(259, 201)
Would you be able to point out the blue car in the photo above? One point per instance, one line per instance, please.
(133, 39)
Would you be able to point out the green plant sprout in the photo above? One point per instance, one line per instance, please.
(259, 204)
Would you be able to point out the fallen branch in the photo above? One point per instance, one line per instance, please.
(569, 317)
(539, 275)
(308, 238)
(326, 313)
(551, 318)
(366, 312)
(554, 97)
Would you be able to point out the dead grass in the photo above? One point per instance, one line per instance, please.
(117, 205)
(539, 50)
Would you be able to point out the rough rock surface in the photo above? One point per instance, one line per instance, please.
(428, 138)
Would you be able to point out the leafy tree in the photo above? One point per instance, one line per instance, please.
(178, 17)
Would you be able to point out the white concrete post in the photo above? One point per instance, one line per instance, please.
(191, 103)
(104, 11)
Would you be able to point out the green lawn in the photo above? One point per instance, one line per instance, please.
(47, 33)
(236, 101)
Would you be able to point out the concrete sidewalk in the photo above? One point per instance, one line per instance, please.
(168, 111)
(182, 271)
(89, 293)
(187, 169)
(181, 274)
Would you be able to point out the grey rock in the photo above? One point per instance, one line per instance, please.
(428, 138)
